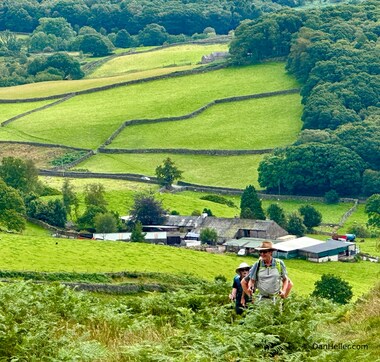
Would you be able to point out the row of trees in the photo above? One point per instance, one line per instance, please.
(177, 17)
(21, 192)
(332, 51)
(296, 223)
(20, 65)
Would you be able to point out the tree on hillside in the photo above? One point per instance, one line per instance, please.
(167, 173)
(95, 44)
(70, 199)
(9, 43)
(333, 288)
(295, 225)
(208, 236)
(105, 223)
(372, 209)
(137, 233)
(311, 216)
(87, 220)
(250, 205)
(331, 197)
(371, 182)
(60, 63)
(19, 174)
(94, 194)
(12, 208)
(123, 39)
(312, 168)
(52, 212)
(277, 214)
(153, 34)
(147, 210)
(56, 26)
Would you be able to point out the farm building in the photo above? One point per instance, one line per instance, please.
(227, 228)
(184, 224)
(230, 228)
(154, 237)
(213, 57)
(244, 246)
(331, 250)
(289, 249)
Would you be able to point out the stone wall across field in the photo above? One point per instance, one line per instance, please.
(115, 176)
(117, 289)
(35, 110)
(197, 111)
(46, 145)
(116, 85)
(185, 151)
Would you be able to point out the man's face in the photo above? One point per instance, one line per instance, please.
(266, 255)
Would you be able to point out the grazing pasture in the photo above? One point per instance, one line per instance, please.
(52, 88)
(9, 110)
(119, 195)
(87, 120)
(38, 253)
(169, 57)
(251, 124)
(227, 171)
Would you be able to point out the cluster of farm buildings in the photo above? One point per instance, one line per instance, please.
(241, 236)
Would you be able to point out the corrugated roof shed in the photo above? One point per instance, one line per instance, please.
(297, 244)
(326, 246)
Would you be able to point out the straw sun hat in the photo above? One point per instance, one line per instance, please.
(266, 245)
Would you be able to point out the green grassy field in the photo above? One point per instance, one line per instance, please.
(87, 120)
(9, 110)
(238, 125)
(170, 57)
(44, 89)
(40, 253)
(228, 171)
(119, 195)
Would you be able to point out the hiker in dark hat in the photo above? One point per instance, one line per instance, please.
(268, 275)
(237, 294)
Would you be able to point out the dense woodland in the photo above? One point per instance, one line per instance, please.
(334, 53)
(176, 16)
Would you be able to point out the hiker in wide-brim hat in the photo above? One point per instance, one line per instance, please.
(268, 275)
(266, 245)
(237, 293)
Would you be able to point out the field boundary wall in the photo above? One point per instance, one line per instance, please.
(174, 74)
(88, 69)
(46, 145)
(185, 151)
(35, 110)
(196, 112)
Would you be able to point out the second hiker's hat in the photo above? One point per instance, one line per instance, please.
(242, 266)
(266, 245)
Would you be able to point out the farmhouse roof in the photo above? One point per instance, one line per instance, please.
(184, 221)
(228, 227)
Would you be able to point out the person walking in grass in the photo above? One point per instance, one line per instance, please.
(268, 275)
(237, 294)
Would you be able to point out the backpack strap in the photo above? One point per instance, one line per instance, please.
(277, 263)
